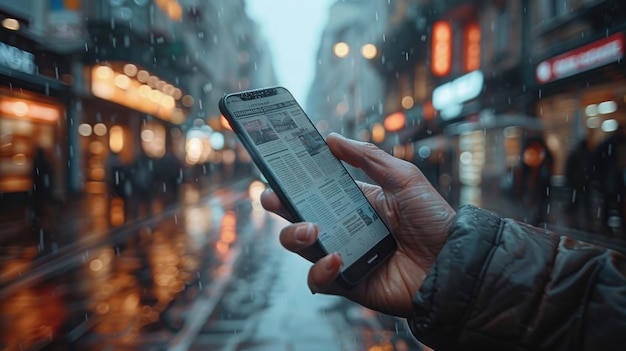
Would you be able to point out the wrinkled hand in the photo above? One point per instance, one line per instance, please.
(417, 215)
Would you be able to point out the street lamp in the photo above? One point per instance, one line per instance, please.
(343, 50)
(369, 51)
(11, 24)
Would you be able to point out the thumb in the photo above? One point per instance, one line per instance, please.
(388, 171)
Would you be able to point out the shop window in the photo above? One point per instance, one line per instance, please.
(603, 109)
(558, 115)
(27, 122)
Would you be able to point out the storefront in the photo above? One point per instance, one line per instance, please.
(582, 96)
(482, 138)
(128, 112)
(34, 95)
(459, 98)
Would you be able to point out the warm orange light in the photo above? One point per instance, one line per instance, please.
(136, 93)
(399, 151)
(534, 154)
(130, 70)
(172, 9)
(222, 247)
(36, 111)
(441, 48)
(378, 133)
(72, 5)
(103, 72)
(116, 139)
(153, 137)
(215, 123)
(395, 121)
(122, 81)
(228, 233)
(369, 51)
(408, 102)
(11, 24)
(229, 220)
(471, 57)
(428, 110)
(117, 212)
(341, 49)
(225, 123)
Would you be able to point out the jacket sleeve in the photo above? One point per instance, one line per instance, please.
(503, 285)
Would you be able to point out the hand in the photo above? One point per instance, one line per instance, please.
(417, 215)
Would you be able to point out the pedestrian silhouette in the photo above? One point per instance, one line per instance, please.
(610, 156)
(41, 191)
(116, 179)
(143, 184)
(579, 175)
(536, 172)
(170, 176)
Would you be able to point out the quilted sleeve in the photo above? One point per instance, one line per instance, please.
(501, 284)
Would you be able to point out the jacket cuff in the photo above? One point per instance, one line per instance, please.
(447, 293)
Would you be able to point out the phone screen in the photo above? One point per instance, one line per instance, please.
(293, 155)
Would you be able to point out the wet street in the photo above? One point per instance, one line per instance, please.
(204, 273)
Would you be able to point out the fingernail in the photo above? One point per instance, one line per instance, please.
(329, 266)
(330, 263)
(304, 233)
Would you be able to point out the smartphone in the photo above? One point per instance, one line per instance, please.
(310, 181)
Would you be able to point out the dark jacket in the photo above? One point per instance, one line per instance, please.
(499, 284)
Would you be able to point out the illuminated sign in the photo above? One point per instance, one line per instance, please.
(449, 98)
(442, 49)
(138, 90)
(583, 59)
(31, 110)
(395, 121)
(17, 59)
(471, 57)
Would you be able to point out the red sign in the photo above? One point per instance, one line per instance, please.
(599, 53)
(442, 48)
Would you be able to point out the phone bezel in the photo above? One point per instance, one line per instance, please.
(357, 271)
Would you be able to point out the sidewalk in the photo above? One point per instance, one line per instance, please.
(73, 226)
(68, 271)
(298, 320)
(268, 307)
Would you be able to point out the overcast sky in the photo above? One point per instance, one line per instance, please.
(293, 29)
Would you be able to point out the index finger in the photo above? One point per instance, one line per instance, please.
(384, 169)
(271, 202)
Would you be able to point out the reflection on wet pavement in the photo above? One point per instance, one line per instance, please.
(207, 273)
(116, 286)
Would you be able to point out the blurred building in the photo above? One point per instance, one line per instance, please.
(577, 72)
(346, 92)
(477, 56)
(35, 90)
(466, 83)
(99, 83)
